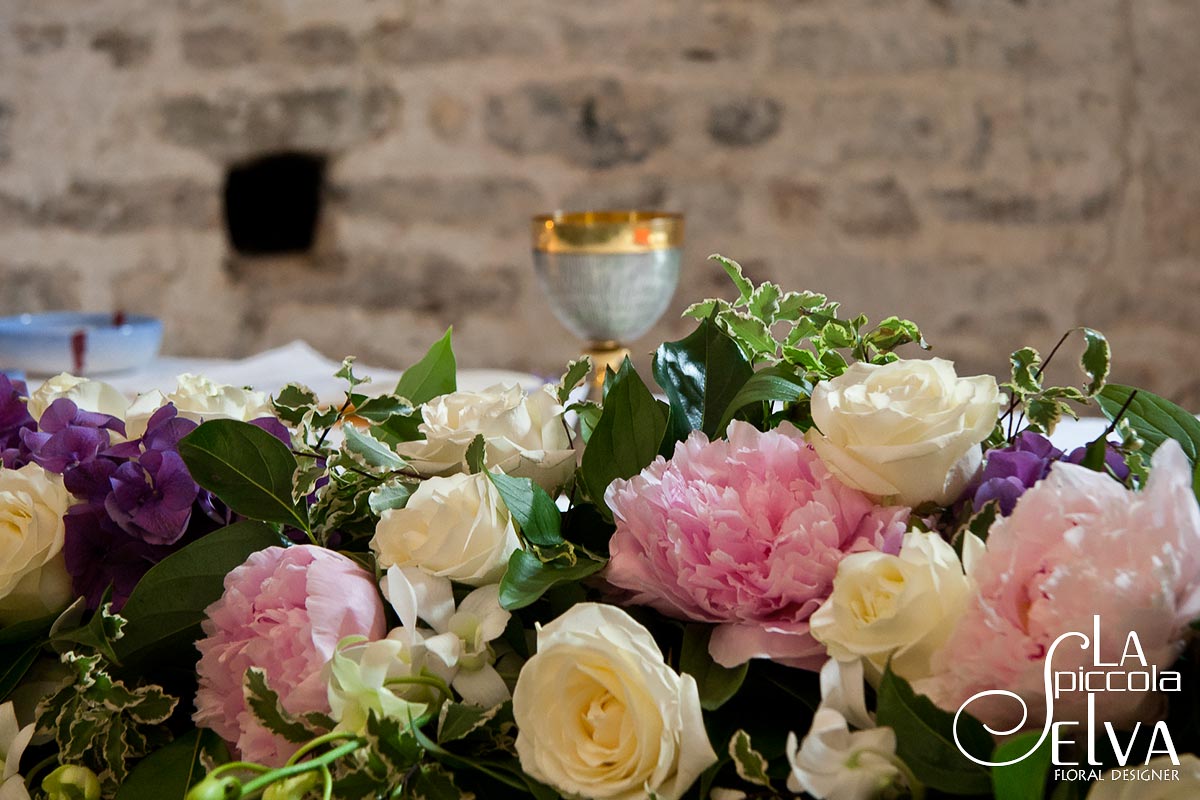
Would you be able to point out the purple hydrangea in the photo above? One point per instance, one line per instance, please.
(14, 418)
(1010, 470)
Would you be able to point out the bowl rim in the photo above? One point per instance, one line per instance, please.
(58, 323)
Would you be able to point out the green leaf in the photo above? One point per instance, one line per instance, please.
(293, 401)
(369, 450)
(1155, 419)
(168, 773)
(432, 782)
(837, 333)
(15, 662)
(627, 435)
(1025, 365)
(264, 703)
(100, 633)
(166, 607)
(925, 739)
(700, 375)
(247, 468)
(733, 269)
(764, 302)
(751, 333)
(528, 577)
(476, 455)
(382, 408)
(434, 375)
(533, 509)
(389, 495)
(346, 373)
(1025, 780)
(779, 382)
(717, 684)
(751, 766)
(1095, 360)
(576, 372)
(459, 720)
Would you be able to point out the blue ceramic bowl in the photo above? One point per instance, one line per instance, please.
(76, 342)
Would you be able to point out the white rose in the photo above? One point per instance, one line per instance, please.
(455, 527)
(13, 741)
(199, 399)
(1184, 784)
(33, 576)
(908, 431)
(903, 606)
(600, 714)
(524, 434)
(87, 394)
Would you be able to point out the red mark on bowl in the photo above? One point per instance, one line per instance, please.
(78, 349)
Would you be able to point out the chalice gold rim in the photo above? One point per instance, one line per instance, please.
(607, 231)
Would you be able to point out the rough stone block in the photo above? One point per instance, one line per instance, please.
(872, 43)
(125, 49)
(699, 35)
(321, 45)
(29, 288)
(498, 204)
(710, 204)
(998, 203)
(98, 207)
(416, 42)
(220, 46)
(592, 122)
(239, 125)
(878, 208)
(38, 38)
(745, 121)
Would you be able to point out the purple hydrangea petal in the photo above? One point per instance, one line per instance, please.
(274, 427)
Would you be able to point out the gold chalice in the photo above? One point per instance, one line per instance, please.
(609, 275)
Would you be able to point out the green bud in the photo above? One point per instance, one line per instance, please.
(71, 782)
(216, 787)
(293, 788)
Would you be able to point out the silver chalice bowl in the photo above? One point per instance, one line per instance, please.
(609, 275)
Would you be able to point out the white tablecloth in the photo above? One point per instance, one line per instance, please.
(298, 362)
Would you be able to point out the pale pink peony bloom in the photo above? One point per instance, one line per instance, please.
(1078, 544)
(745, 532)
(284, 611)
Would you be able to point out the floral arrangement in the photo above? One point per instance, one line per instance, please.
(813, 567)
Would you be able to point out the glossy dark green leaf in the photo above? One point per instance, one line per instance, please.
(717, 684)
(1025, 780)
(779, 382)
(925, 739)
(627, 435)
(166, 607)
(168, 773)
(1155, 418)
(533, 509)
(434, 375)
(700, 375)
(528, 578)
(247, 468)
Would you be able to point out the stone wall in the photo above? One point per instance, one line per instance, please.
(998, 170)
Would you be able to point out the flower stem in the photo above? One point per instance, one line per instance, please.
(320, 740)
(321, 762)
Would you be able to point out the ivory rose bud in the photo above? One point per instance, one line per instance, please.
(600, 714)
(1184, 786)
(525, 436)
(33, 576)
(908, 431)
(901, 607)
(199, 399)
(455, 527)
(88, 395)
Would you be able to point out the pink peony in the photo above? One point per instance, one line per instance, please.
(283, 611)
(1078, 544)
(746, 533)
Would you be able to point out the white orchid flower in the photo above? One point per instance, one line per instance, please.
(13, 740)
(837, 763)
(459, 636)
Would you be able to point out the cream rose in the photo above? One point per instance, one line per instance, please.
(600, 714)
(908, 431)
(199, 399)
(901, 607)
(1184, 784)
(87, 394)
(455, 527)
(524, 434)
(33, 576)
